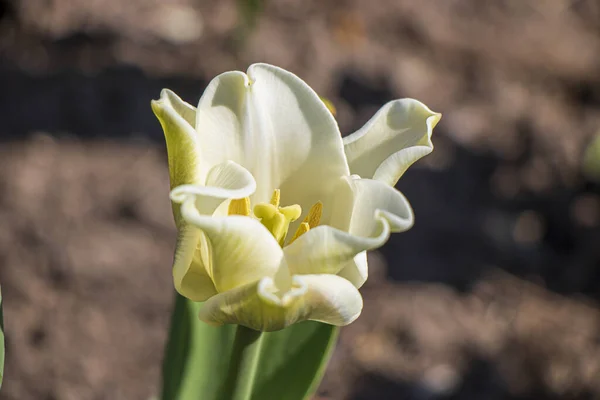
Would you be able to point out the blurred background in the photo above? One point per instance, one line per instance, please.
(492, 295)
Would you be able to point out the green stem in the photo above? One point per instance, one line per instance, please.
(177, 347)
(243, 365)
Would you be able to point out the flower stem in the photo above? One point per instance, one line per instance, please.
(243, 365)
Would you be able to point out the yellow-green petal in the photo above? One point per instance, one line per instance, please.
(177, 118)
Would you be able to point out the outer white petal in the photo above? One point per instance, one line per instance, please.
(356, 270)
(398, 135)
(219, 119)
(376, 202)
(298, 141)
(275, 125)
(377, 209)
(325, 298)
(242, 250)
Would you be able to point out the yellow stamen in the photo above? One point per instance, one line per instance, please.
(314, 214)
(239, 207)
(311, 220)
(291, 212)
(277, 219)
(302, 229)
(276, 197)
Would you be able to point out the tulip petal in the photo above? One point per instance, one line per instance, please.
(219, 119)
(376, 202)
(398, 135)
(177, 119)
(227, 180)
(275, 125)
(356, 270)
(242, 250)
(190, 273)
(191, 264)
(325, 298)
(377, 209)
(288, 118)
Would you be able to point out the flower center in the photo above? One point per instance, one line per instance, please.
(278, 219)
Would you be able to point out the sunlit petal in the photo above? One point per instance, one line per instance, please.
(356, 270)
(183, 149)
(397, 136)
(190, 273)
(275, 125)
(242, 250)
(227, 180)
(324, 298)
(377, 209)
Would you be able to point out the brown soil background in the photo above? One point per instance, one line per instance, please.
(494, 293)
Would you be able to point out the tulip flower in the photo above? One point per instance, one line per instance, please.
(275, 211)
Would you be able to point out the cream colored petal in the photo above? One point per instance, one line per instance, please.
(398, 135)
(227, 180)
(219, 119)
(190, 274)
(183, 150)
(376, 209)
(325, 298)
(356, 270)
(177, 119)
(275, 125)
(326, 250)
(376, 202)
(296, 137)
(192, 266)
(242, 250)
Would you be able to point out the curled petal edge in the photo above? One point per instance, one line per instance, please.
(377, 210)
(241, 249)
(325, 298)
(396, 137)
(227, 180)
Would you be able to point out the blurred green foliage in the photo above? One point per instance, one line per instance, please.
(197, 359)
(249, 11)
(591, 160)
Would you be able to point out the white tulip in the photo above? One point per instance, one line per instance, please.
(275, 210)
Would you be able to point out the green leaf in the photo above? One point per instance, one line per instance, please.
(195, 355)
(291, 362)
(1, 342)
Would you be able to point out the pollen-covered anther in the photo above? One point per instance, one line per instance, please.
(276, 197)
(239, 207)
(302, 229)
(312, 219)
